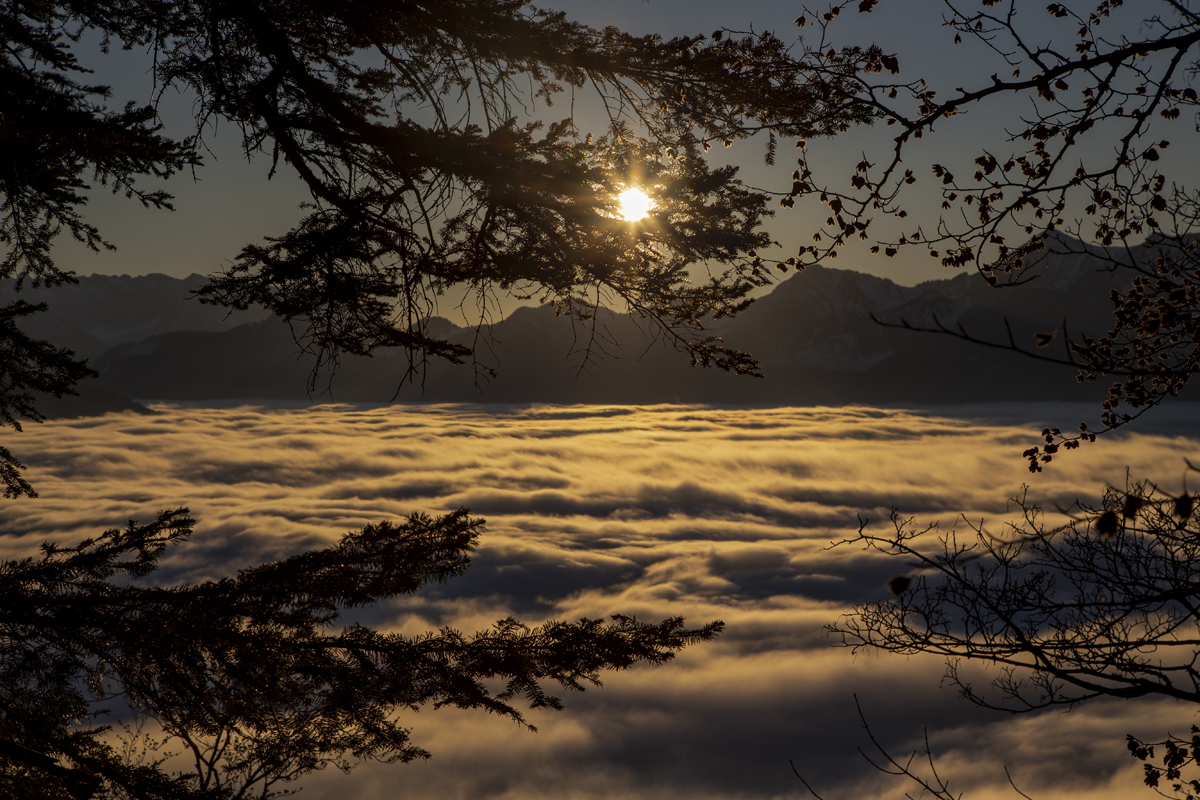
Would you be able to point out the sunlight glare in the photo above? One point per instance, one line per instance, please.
(635, 204)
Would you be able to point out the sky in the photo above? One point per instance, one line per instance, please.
(231, 203)
(706, 512)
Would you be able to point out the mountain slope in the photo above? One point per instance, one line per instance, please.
(102, 311)
(814, 334)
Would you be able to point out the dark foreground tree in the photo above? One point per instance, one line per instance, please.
(919, 768)
(248, 675)
(1090, 101)
(28, 366)
(412, 126)
(1087, 97)
(1106, 605)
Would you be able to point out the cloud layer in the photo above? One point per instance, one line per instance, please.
(711, 513)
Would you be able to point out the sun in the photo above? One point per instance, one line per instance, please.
(635, 204)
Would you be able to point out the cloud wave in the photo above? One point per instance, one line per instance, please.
(710, 513)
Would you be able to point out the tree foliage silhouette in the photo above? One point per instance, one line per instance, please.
(1104, 605)
(412, 125)
(1089, 97)
(27, 366)
(248, 673)
(919, 768)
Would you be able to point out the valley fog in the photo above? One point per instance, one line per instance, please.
(705, 512)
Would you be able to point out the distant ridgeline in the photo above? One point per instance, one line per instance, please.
(813, 335)
(106, 311)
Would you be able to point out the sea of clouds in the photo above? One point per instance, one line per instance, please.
(709, 513)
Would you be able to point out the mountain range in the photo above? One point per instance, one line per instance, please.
(815, 335)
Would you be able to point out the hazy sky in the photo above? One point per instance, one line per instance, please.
(232, 203)
(704, 512)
